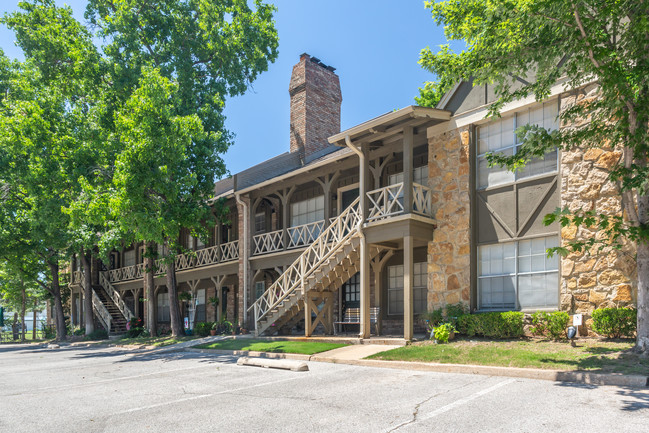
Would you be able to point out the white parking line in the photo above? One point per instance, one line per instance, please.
(454, 404)
(196, 397)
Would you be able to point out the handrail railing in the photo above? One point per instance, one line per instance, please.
(229, 251)
(299, 236)
(422, 202)
(385, 202)
(270, 242)
(101, 311)
(342, 228)
(116, 297)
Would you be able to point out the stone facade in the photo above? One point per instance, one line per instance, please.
(593, 279)
(449, 254)
(315, 105)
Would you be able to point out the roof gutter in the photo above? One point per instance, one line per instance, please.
(244, 205)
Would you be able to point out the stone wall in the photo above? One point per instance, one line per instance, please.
(592, 279)
(449, 253)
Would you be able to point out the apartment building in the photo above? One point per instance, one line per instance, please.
(393, 217)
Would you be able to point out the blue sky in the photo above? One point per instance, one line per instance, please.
(374, 45)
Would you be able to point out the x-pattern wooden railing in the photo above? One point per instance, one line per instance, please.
(304, 234)
(422, 200)
(204, 257)
(115, 296)
(268, 242)
(385, 202)
(346, 225)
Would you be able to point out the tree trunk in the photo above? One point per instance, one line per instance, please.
(87, 292)
(149, 287)
(34, 320)
(174, 304)
(642, 342)
(58, 305)
(22, 311)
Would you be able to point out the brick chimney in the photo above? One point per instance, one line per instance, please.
(315, 105)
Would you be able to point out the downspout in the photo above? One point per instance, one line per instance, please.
(245, 254)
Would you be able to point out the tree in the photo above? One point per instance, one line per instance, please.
(189, 56)
(543, 41)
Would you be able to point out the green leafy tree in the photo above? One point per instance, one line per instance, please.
(207, 50)
(543, 42)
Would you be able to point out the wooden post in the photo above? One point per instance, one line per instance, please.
(407, 169)
(408, 275)
(308, 330)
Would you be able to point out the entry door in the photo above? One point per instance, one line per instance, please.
(352, 292)
(345, 198)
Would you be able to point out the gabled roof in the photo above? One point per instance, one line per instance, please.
(392, 123)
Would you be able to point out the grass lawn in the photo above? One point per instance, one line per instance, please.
(588, 355)
(303, 347)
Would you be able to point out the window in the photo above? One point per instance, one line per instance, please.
(129, 258)
(200, 306)
(307, 211)
(419, 175)
(260, 222)
(163, 307)
(395, 288)
(518, 275)
(500, 137)
(260, 288)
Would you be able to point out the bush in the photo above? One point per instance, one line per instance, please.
(550, 324)
(448, 314)
(49, 331)
(223, 327)
(79, 331)
(493, 325)
(433, 318)
(97, 334)
(135, 328)
(443, 332)
(203, 329)
(615, 322)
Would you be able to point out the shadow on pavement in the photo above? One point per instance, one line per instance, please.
(638, 398)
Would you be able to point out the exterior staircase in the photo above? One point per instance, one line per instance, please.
(117, 320)
(320, 270)
(108, 305)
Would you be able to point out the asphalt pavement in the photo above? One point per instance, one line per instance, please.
(99, 389)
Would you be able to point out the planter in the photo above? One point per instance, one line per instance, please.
(212, 332)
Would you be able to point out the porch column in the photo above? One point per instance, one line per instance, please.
(217, 240)
(363, 187)
(407, 168)
(408, 274)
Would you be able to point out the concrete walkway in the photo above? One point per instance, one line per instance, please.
(353, 352)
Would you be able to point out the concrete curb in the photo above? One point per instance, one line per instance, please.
(281, 364)
(601, 379)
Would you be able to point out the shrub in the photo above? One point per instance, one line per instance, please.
(202, 329)
(433, 318)
(49, 331)
(97, 334)
(134, 328)
(79, 331)
(443, 332)
(223, 327)
(615, 322)
(550, 324)
(493, 325)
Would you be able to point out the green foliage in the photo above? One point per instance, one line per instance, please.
(224, 327)
(615, 322)
(449, 313)
(135, 328)
(443, 332)
(203, 329)
(492, 325)
(97, 334)
(48, 331)
(78, 331)
(550, 324)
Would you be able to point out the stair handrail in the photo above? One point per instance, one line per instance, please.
(116, 297)
(102, 312)
(339, 231)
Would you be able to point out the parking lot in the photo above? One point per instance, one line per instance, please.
(92, 389)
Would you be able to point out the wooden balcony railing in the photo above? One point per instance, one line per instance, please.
(388, 201)
(265, 243)
(305, 234)
(207, 256)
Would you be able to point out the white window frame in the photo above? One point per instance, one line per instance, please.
(307, 211)
(163, 307)
(516, 275)
(513, 145)
(420, 287)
